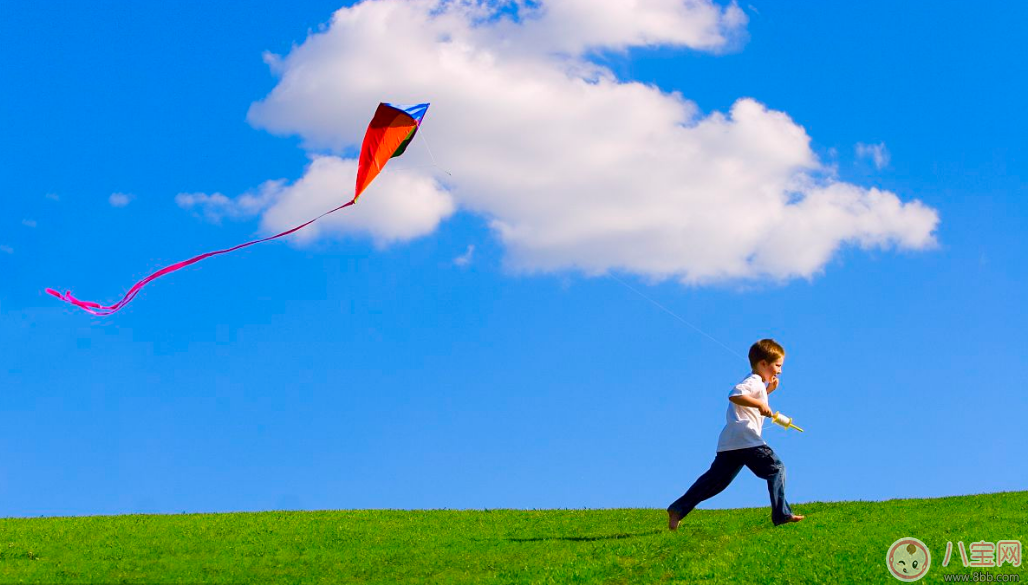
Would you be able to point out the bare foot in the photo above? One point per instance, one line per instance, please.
(794, 518)
(673, 518)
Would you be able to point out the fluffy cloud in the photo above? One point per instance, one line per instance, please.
(573, 168)
(6, 249)
(576, 26)
(465, 258)
(30, 223)
(215, 207)
(120, 199)
(876, 152)
(399, 205)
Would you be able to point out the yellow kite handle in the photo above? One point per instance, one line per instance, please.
(782, 420)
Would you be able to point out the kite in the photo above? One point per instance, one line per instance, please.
(390, 131)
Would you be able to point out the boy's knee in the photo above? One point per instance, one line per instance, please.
(768, 464)
(775, 461)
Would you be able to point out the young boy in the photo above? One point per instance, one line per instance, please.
(740, 443)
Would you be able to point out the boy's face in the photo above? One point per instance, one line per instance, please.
(769, 370)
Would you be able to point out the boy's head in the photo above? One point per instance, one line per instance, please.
(766, 357)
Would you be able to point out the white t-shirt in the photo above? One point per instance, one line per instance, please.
(744, 423)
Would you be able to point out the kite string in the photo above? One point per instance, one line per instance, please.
(670, 312)
(424, 140)
(433, 164)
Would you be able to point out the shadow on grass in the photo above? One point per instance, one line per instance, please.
(617, 536)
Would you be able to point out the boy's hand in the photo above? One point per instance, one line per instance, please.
(765, 409)
(772, 385)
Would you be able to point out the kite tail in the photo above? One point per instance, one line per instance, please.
(102, 311)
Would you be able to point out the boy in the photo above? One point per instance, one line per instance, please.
(740, 442)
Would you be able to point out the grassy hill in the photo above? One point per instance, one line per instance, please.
(838, 542)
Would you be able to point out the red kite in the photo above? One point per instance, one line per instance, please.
(388, 135)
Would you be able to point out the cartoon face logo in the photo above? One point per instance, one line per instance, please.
(908, 559)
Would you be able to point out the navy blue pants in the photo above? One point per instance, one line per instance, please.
(761, 460)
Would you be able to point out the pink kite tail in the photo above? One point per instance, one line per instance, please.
(102, 311)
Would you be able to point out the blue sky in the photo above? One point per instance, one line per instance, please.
(365, 368)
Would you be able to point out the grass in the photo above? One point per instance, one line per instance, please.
(839, 542)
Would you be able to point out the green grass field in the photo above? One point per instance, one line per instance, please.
(837, 543)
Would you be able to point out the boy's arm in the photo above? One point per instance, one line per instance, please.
(773, 385)
(744, 400)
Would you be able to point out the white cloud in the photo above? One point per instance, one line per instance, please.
(573, 168)
(53, 196)
(576, 26)
(120, 199)
(465, 258)
(215, 207)
(876, 152)
(6, 249)
(398, 206)
(31, 223)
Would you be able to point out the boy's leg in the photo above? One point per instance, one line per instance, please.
(763, 462)
(723, 470)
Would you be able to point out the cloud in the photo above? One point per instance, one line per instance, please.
(876, 152)
(6, 249)
(465, 258)
(399, 206)
(572, 168)
(577, 26)
(31, 223)
(53, 196)
(120, 199)
(215, 207)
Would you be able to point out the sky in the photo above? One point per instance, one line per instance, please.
(545, 302)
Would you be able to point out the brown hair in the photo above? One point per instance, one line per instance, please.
(767, 350)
